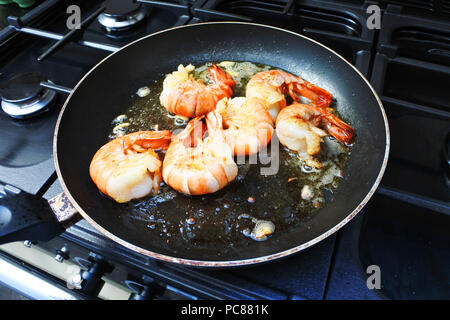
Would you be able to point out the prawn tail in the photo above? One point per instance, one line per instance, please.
(318, 96)
(157, 178)
(143, 140)
(214, 121)
(222, 79)
(336, 127)
(194, 131)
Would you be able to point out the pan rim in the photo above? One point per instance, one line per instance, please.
(222, 263)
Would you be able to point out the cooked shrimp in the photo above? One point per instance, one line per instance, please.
(127, 167)
(195, 166)
(187, 97)
(298, 129)
(273, 85)
(247, 123)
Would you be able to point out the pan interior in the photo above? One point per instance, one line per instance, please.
(107, 91)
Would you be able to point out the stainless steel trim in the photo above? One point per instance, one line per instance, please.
(30, 285)
(114, 23)
(203, 263)
(28, 108)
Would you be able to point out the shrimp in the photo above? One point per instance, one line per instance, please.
(297, 128)
(127, 167)
(247, 124)
(184, 96)
(194, 166)
(273, 85)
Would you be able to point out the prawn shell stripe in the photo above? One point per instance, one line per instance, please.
(203, 168)
(182, 95)
(273, 86)
(127, 167)
(248, 124)
(298, 128)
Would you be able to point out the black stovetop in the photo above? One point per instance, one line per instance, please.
(402, 229)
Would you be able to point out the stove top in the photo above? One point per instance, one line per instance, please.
(403, 228)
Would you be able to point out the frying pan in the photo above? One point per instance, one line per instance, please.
(106, 91)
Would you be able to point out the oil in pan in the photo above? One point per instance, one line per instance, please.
(250, 207)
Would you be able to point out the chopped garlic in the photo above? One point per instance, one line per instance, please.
(233, 74)
(306, 192)
(120, 128)
(262, 229)
(142, 92)
(119, 119)
(189, 67)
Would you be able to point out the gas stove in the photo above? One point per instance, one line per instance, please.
(402, 231)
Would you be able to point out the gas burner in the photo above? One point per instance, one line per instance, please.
(121, 15)
(23, 97)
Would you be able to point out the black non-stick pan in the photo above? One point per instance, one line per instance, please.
(161, 229)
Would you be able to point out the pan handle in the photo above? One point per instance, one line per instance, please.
(24, 216)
